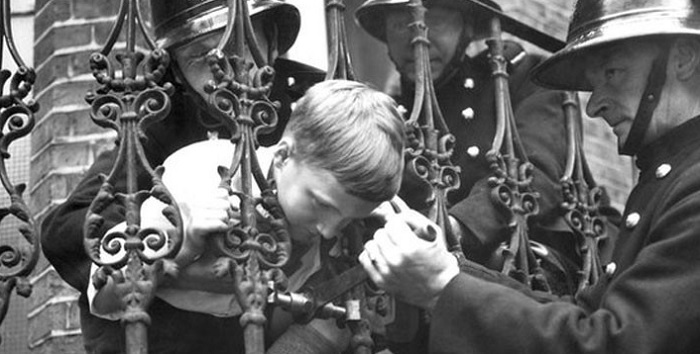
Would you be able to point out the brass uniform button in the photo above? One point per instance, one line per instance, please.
(663, 170)
(468, 113)
(632, 220)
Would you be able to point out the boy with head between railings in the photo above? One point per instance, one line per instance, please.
(340, 157)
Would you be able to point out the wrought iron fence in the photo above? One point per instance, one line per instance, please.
(133, 94)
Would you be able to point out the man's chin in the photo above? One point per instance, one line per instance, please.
(411, 74)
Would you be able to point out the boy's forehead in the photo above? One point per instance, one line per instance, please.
(323, 186)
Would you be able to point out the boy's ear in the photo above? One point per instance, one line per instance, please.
(282, 152)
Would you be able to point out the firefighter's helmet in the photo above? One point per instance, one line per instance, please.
(603, 22)
(177, 22)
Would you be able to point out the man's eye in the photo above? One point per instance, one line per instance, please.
(398, 27)
(200, 55)
(436, 24)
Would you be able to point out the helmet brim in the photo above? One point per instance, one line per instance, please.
(371, 17)
(565, 70)
(287, 18)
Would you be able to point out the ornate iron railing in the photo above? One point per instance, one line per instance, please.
(430, 143)
(430, 148)
(131, 97)
(239, 96)
(16, 120)
(512, 178)
(134, 97)
(582, 196)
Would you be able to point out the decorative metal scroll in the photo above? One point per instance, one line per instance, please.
(16, 120)
(511, 190)
(239, 100)
(582, 197)
(430, 143)
(130, 98)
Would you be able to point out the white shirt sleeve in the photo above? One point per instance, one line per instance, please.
(190, 171)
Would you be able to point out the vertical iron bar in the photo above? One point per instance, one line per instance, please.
(339, 61)
(582, 197)
(127, 103)
(428, 154)
(16, 121)
(512, 174)
(239, 99)
(340, 67)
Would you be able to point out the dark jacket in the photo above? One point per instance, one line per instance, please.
(540, 121)
(648, 303)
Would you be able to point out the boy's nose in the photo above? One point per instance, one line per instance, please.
(325, 230)
(329, 228)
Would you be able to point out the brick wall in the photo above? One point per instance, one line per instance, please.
(64, 143)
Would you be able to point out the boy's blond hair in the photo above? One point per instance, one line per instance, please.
(353, 131)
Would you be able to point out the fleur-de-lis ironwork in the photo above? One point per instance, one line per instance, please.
(239, 100)
(430, 143)
(582, 197)
(356, 311)
(128, 100)
(16, 120)
(339, 63)
(511, 190)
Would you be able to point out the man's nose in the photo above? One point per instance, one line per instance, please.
(596, 105)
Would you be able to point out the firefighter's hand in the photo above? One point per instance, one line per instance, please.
(406, 258)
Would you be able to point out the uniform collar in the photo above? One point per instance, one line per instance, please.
(680, 138)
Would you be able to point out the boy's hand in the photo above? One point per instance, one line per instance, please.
(203, 216)
(404, 260)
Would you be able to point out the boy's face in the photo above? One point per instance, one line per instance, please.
(314, 202)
